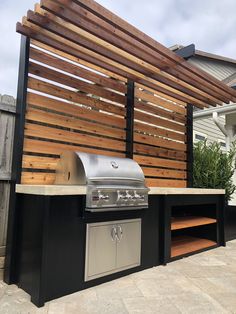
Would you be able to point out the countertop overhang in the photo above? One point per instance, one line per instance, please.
(51, 190)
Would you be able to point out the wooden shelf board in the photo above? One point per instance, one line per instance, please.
(190, 221)
(182, 245)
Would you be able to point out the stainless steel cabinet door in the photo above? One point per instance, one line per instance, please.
(129, 244)
(100, 250)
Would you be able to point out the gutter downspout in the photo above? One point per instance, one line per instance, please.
(227, 134)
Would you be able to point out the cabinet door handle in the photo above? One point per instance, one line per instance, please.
(119, 233)
(113, 233)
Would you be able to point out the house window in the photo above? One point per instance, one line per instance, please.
(198, 136)
(222, 143)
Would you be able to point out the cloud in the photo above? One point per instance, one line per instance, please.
(210, 24)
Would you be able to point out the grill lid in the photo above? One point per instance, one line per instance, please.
(77, 168)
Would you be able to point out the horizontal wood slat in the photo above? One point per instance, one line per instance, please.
(39, 162)
(160, 95)
(160, 162)
(70, 108)
(76, 70)
(78, 61)
(70, 81)
(146, 128)
(73, 123)
(40, 178)
(163, 173)
(159, 121)
(68, 137)
(73, 97)
(166, 183)
(155, 110)
(155, 141)
(159, 152)
(145, 96)
(52, 148)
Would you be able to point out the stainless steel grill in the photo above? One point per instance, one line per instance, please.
(112, 183)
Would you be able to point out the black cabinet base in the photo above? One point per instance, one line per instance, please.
(51, 240)
(51, 244)
(230, 223)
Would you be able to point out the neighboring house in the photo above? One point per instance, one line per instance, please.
(223, 69)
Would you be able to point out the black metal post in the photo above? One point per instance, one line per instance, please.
(189, 134)
(10, 273)
(221, 208)
(130, 119)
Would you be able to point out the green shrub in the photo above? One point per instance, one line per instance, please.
(214, 168)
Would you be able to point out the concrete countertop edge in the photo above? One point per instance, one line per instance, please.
(81, 190)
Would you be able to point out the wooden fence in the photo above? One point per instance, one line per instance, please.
(7, 121)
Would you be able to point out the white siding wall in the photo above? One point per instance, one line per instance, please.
(220, 70)
(208, 127)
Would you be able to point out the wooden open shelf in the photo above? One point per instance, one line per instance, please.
(182, 245)
(190, 221)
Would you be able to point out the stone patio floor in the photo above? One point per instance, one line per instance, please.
(203, 283)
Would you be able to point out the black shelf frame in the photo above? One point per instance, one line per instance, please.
(190, 200)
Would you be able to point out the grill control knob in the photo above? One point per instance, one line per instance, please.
(137, 196)
(121, 197)
(128, 196)
(103, 197)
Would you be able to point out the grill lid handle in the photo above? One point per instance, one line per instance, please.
(95, 179)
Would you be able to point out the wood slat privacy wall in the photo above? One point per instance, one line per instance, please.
(69, 107)
(81, 58)
(160, 139)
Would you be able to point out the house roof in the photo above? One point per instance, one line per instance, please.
(190, 51)
(230, 80)
(204, 54)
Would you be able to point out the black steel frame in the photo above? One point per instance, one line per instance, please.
(10, 272)
(130, 119)
(189, 141)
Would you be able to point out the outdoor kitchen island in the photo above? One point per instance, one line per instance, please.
(91, 83)
(53, 225)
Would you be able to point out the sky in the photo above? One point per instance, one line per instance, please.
(209, 24)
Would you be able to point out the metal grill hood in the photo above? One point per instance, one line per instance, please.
(77, 168)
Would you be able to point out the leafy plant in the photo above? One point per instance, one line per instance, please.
(214, 168)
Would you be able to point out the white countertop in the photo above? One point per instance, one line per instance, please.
(81, 190)
(51, 189)
(184, 191)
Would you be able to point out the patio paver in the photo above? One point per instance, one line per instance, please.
(203, 283)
